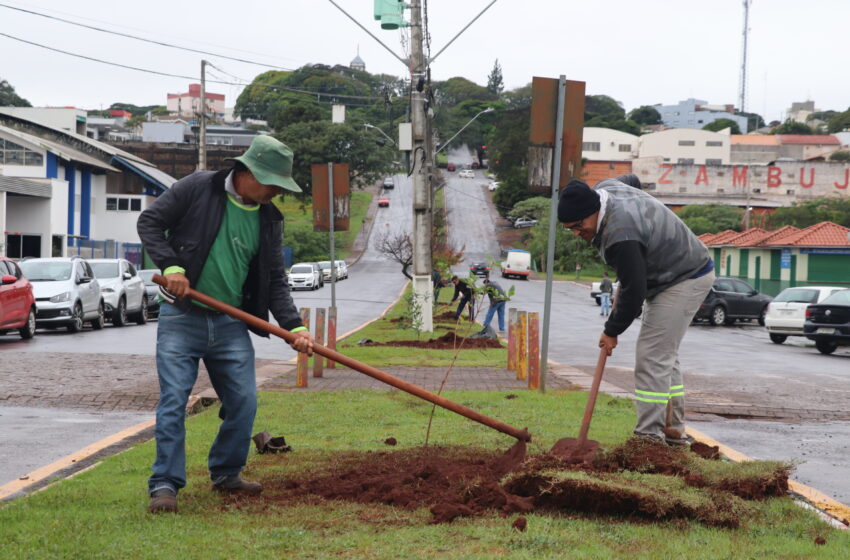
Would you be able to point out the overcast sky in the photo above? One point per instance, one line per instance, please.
(638, 52)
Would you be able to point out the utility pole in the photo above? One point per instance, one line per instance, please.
(742, 101)
(202, 132)
(420, 155)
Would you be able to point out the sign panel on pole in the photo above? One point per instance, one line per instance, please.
(341, 197)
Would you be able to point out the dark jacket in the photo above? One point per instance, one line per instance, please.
(179, 229)
(462, 288)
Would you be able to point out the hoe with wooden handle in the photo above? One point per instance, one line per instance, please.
(521, 435)
(580, 449)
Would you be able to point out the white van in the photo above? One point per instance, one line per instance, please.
(517, 263)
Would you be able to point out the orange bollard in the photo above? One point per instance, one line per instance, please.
(522, 345)
(512, 320)
(303, 366)
(331, 334)
(319, 336)
(533, 350)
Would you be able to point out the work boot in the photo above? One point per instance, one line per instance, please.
(163, 500)
(678, 442)
(235, 484)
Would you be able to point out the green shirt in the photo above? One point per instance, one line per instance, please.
(235, 246)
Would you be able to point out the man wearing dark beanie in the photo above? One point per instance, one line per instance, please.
(663, 270)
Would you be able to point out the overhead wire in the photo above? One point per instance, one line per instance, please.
(137, 38)
(181, 76)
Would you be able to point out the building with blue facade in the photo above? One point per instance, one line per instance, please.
(696, 113)
(60, 189)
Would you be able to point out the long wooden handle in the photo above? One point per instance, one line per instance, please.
(366, 369)
(591, 398)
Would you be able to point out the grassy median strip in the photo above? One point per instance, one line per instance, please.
(101, 513)
(396, 327)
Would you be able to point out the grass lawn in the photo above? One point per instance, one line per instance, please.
(100, 513)
(301, 218)
(395, 327)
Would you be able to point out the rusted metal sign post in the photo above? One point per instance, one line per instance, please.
(302, 367)
(331, 196)
(554, 157)
(319, 336)
(533, 350)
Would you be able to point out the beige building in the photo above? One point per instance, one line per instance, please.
(687, 146)
(607, 144)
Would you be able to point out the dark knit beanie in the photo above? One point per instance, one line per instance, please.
(576, 202)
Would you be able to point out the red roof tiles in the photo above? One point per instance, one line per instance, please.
(809, 139)
(824, 234)
(777, 235)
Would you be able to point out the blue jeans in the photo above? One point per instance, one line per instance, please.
(463, 301)
(605, 298)
(184, 338)
(498, 307)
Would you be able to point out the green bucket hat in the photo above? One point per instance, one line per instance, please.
(270, 161)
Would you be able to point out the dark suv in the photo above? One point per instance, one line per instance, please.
(731, 299)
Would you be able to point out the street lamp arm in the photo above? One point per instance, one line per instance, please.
(367, 125)
(447, 142)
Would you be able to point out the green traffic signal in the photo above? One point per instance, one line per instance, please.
(390, 13)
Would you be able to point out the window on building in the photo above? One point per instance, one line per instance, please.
(714, 144)
(713, 161)
(590, 146)
(687, 143)
(15, 154)
(625, 147)
(685, 161)
(123, 204)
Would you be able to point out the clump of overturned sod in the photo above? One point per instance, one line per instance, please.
(628, 494)
(751, 480)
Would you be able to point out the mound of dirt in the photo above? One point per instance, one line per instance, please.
(636, 479)
(449, 341)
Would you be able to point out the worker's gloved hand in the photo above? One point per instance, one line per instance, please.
(304, 342)
(178, 285)
(608, 343)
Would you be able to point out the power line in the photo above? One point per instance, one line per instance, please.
(127, 35)
(181, 76)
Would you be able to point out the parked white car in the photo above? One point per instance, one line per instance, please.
(524, 222)
(466, 174)
(786, 314)
(341, 270)
(67, 294)
(493, 185)
(304, 276)
(123, 290)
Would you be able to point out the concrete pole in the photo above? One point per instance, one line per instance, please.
(332, 207)
(422, 288)
(202, 137)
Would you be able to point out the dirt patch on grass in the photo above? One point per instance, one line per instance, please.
(637, 479)
(449, 341)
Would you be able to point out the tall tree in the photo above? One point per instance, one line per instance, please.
(495, 84)
(839, 122)
(645, 114)
(754, 120)
(8, 97)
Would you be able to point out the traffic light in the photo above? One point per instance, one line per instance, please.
(390, 13)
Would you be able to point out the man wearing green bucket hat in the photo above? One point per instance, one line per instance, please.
(217, 233)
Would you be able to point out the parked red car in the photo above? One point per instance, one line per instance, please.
(17, 304)
(450, 167)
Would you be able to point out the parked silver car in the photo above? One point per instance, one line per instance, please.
(123, 290)
(67, 293)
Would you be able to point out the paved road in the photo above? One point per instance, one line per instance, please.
(731, 371)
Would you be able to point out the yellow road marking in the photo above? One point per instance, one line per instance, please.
(46, 471)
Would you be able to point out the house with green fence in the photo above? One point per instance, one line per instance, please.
(774, 260)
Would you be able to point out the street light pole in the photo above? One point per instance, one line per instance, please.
(449, 141)
(422, 287)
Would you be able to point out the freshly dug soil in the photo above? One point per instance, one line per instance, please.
(448, 341)
(636, 479)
